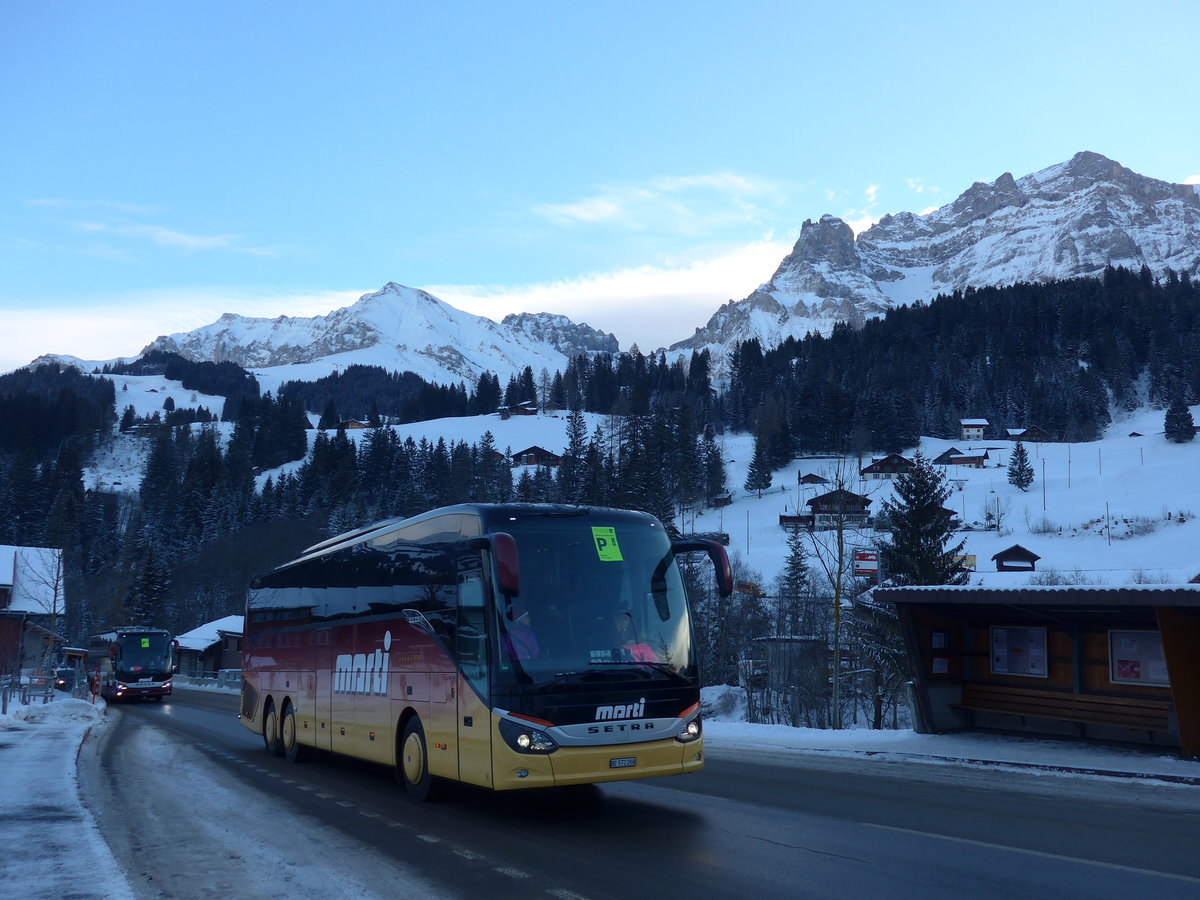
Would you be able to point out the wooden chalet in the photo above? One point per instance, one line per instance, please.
(891, 466)
(524, 408)
(839, 507)
(1030, 435)
(214, 646)
(944, 458)
(811, 478)
(535, 456)
(31, 607)
(793, 522)
(972, 429)
(972, 459)
(1015, 559)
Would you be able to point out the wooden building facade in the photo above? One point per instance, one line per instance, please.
(1111, 663)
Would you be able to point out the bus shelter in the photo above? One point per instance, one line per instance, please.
(1117, 663)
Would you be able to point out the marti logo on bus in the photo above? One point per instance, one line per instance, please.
(363, 673)
(366, 673)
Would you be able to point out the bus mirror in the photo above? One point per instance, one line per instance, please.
(717, 554)
(508, 567)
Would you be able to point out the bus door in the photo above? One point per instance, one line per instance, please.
(320, 722)
(341, 707)
(471, 650)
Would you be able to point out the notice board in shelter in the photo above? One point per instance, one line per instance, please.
(1136, 657)
(1018, 651)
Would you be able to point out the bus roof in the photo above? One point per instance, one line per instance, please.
(491, 517)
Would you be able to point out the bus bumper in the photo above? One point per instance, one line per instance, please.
(137, 691)
(593, 765)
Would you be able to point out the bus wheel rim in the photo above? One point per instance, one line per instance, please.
(414, 759)
(289, 732)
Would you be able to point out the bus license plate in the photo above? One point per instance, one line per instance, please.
(625, 762)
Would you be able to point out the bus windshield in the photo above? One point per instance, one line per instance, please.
(143, 653)
(597, 598)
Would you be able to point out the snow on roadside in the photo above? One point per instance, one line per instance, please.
(50, 846)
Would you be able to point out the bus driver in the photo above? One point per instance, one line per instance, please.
(520, 640)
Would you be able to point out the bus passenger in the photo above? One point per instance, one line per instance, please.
(520, 641)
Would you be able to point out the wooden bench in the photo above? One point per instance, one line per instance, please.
(1148, 713)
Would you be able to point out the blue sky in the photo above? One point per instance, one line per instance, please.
(630, 165)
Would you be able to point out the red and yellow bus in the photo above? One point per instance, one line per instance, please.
(506, 646)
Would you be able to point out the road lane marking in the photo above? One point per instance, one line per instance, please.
(1041, 853)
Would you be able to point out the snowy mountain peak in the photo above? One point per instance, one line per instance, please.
(1068, 220)
(397, 327)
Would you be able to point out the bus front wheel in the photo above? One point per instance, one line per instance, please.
(412, 767)
(289, 739)
(271, 731)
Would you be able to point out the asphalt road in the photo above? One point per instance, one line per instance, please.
(804, 827)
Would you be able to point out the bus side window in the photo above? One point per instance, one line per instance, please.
(471, 644)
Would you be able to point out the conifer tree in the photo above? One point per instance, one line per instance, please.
(758, 479)
(795, 610)
(920, 530)
(329, 416)
(1020, 471)
(1177, 424)
(571, 469)
(714, 466)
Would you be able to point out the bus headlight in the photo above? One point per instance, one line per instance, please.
(691, 731)
(525, 738)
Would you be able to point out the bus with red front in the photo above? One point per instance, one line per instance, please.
(501, 645)
(131, 662)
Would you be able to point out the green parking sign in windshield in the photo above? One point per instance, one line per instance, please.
(607, 547)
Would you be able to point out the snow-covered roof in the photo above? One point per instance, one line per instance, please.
(206, 635)
(33, 575)
(1036, 595)
(973, 423)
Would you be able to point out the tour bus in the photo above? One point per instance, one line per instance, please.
(501, 645)
(131, 662)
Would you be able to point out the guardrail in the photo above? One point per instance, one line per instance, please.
(226, 678)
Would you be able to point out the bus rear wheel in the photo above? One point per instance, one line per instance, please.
(271, 731)
(293, 750)
(412, 768)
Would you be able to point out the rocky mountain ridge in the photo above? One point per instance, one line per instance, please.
(1066, 221)
(1071, 219)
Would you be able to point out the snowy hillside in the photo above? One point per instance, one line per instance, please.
(1112, 511)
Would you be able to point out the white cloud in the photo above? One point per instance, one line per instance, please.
(170, 237)
(110, 326)
(652, 306)
(676, 204)
(1192, 179)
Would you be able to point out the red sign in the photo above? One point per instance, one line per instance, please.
(866, 562)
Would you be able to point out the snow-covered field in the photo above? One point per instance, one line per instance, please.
(1113, 511)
